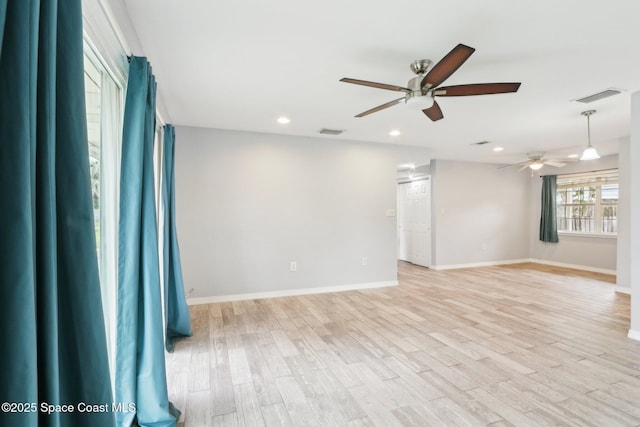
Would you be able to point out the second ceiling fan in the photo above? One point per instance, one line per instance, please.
(422, 89)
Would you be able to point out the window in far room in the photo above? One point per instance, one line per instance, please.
(587, 203)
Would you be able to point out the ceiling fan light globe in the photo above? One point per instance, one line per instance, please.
(536, 166)
(590, 153)
(420, 102)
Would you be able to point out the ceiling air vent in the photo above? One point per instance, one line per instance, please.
(598, 96)
(331, 131)
(481, 143)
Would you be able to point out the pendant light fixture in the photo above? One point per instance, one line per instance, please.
(590, 152)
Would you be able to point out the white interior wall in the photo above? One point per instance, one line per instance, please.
(623, 281)
(479, 214)
(633, 268)
(595, 253)
(322, 203)
(248, 204)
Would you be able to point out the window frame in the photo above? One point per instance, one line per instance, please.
(594, 180)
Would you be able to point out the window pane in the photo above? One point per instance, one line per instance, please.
(92, 84)
(103, 97)
(609, 208)
(610, 193)
(609, 218)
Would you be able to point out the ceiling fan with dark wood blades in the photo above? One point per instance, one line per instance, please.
(422, 89)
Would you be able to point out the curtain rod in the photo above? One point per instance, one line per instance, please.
(578, 173)
(122, 41)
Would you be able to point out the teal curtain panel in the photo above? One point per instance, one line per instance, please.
(548, 219)
(53, 339)
(140, 368)
(178, 322)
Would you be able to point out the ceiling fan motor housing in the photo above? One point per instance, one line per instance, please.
(421, 66)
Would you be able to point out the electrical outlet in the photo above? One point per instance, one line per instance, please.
(365, 261)
(294, 266)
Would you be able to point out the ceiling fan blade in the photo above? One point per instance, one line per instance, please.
(447, 66)
(477, 89)
(381, 107)
(523, 168)
(376, 85)
(565, 160)
(526, 163)
(554, 164)
(434, 112)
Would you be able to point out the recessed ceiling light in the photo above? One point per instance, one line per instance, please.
(572, 156)
(394, 132)
(283, 120)
(496, 149)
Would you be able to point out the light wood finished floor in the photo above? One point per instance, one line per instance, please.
(523, 345)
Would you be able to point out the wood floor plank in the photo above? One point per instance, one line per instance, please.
(276, 415)
(451, 412)
(511, 414)
(513, 345)
(410, 416)
(261, 374)
(197, 412)
(226, 420)
(619, 404)
(248, 408)
(373, 405)
(342, 400)
(481, 412)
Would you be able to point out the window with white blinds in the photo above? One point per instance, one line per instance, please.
(588, 202)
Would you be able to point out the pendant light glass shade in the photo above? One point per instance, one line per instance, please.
(590, 152)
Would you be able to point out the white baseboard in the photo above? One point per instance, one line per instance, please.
(623, 289)
(574, 266)
(290, 292)
(519, 261)
(479, 264)
(634, 335)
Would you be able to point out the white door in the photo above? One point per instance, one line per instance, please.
(414, 222)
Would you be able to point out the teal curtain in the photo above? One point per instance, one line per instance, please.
(178, 322)
(53, 339)
(140, 370)
(548, 225)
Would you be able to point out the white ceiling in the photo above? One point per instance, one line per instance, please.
(239, 64)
